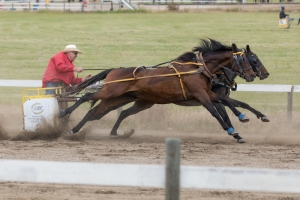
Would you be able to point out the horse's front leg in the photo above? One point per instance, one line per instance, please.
(222, 111)
(242, 117)
(220, 95)
(244, 105)
(204, 98)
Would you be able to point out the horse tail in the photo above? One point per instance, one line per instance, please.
(102, 75)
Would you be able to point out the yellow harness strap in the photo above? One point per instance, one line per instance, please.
(143, 77)
(163, 75)
(180, 80)
(187, 63)
(238, 53)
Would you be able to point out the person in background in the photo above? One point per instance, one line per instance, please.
(282, 14)
(60, 69)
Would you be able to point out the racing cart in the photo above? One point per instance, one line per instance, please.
(286, 22)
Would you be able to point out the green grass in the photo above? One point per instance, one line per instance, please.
(29, 39)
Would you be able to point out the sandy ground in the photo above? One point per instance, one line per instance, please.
(270, 147)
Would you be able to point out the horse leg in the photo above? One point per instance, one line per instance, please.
(137, 107)
(217, 99)
(80, 101)
(242, 117)
(244, 105)
(221, 95)
(239, 139)
(222, 111)
(104, 107)
(206, 102)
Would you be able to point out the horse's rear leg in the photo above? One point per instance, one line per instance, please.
(80, 101)
(138, 106)
(104, 107)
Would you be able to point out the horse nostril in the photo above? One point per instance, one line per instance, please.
(253, 75)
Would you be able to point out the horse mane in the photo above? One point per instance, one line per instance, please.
(208, 46)
(187, 56)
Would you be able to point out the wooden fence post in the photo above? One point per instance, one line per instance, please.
(290, 103)
(172, 191)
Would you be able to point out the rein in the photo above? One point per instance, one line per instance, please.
(94, 69)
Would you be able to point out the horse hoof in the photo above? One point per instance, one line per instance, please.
(114, 136)
(70, 132)
(241, 140)
(62, 113)
(232, 132)
(243, 118)
(264, 119)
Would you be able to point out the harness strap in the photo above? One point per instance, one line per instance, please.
(134, 71)
(180, 80)
(238, 53)
(187, 63)
(206, 71)
(162, 75)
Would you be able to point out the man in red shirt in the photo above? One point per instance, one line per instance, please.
(60, 69)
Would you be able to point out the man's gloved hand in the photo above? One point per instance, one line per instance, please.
(78, 69)
(87, 77)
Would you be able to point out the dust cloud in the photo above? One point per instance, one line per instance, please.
(194, 122)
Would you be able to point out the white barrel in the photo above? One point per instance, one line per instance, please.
(39, 109)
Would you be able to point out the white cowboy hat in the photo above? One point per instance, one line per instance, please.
(71, 47)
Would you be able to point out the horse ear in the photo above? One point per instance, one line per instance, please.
(248, 48)
(234, 47)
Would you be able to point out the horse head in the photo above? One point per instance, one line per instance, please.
(242, 65)
(256, 64)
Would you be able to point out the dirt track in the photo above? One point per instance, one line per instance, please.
(266, 148)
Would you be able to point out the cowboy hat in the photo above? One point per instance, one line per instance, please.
(71, 47)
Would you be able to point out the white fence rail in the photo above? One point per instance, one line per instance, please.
(229, 178)
(69, 7)
(289, 89)
(103, 5)
(172, 176)
(20, 83)
(241, 87)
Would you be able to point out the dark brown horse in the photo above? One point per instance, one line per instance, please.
(188, 78)
(222, 89)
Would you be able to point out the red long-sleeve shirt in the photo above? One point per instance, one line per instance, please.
(60, 69)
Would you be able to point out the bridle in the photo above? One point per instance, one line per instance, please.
(238, 60)
(255, 63)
